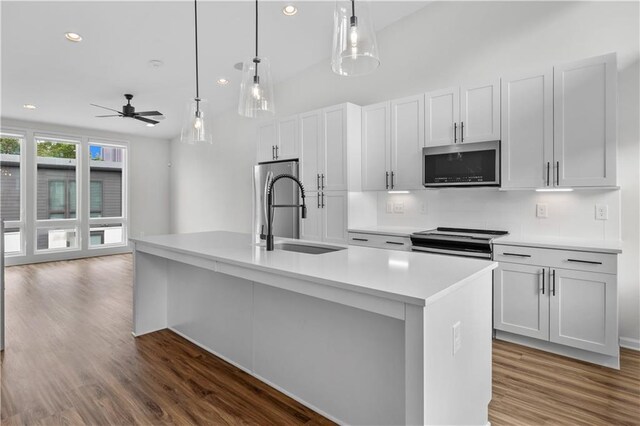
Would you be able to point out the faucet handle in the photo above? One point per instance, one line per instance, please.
(263, 236)
(304, 211)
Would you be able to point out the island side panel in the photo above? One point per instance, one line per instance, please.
(344, 362)
(458, 386)
(149, 293)
(213, 310)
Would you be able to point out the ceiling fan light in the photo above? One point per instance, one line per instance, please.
(195, 125)
(355, 50)
(256, 89)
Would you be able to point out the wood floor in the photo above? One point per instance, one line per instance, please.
(71, 359)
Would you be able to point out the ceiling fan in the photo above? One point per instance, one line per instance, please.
(129, 111)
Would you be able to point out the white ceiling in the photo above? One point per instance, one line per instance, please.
(40, 67)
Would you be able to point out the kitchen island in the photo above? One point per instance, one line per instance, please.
(361, 335)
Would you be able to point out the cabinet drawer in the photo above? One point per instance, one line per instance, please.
(388, 242)
(566, 259)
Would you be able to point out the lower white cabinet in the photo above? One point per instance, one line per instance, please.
(521, 304)
(379, 240)
(326, 217)
(571, 305)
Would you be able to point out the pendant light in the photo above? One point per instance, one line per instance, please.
(194, 127)
(256, 89)
(355, 51)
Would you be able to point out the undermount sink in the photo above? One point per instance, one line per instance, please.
(306, 248)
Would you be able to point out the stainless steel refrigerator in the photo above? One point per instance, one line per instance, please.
(286, 222)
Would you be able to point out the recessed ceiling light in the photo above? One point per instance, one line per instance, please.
(75, 37)
(222, 81)
(151, 125)
(289, 10)
(29, 106)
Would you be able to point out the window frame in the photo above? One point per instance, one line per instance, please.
(20, 224)
(65, 223)
(123, 219)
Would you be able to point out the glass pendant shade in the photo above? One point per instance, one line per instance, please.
(355, 51)
(256, 89)
(195, 127)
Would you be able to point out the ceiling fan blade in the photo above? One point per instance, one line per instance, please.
(147, 113)
(114, 115)
(110, 109)
(146, 120)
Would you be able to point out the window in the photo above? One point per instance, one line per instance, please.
(95, 196)
(106, 166)
(11, 191)
(56, 179)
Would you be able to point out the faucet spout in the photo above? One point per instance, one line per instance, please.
(271, 206)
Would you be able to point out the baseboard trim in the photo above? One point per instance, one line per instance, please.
(629, 343)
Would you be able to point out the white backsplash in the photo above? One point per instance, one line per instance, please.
(570, 214)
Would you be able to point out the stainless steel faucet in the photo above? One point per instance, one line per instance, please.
(271, 206)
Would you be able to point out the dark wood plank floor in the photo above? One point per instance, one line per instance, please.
(71, 359)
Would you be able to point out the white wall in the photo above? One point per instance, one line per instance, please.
(149, 186)
(445, 44)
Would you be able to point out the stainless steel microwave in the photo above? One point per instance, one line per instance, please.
(463, 164)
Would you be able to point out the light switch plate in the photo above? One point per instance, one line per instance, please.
(542, 211)
(398, 207)
(602, 212)
(389, 207)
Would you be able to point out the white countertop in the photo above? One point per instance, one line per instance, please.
(562, 243)
(396, 231)
(415, 278)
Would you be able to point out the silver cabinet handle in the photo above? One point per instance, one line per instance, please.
(318, 181)
(394, 243)
(553, 289)
(322, 193)
(322, 177)
(548, 164)
(590, 262)
(392, 176)
(359, 239)
(386, 179)
(273, 152)
(461, 131)
(455, 132)
(318, 200)
(277, 147)
(543, 274)
(558, 173)
(516, 254)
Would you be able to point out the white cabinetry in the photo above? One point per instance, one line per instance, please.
(278, 139)
(392, 142)
(326, 136)
(585, 122)
(380, 240)
(559, 126)
(527, 130)
(564, 297)
(463, 114)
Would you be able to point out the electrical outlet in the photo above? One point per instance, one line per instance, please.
(602, 212)
(457, 337)
(389, 207)
(423, 208)
(542, 211)
(398, 207)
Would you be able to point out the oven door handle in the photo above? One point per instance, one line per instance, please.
(451, 252)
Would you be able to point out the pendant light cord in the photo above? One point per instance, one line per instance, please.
(195, 7)
(256, 60)
(353, 7)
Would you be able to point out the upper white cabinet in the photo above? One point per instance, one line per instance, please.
(585, 122)
(527, 130)
(463, 114)
(392, 142)
(278, 139)
(376, 146)
(310, 126)
(442, 115)
(407, 141)
(559, 126)
(480, 112)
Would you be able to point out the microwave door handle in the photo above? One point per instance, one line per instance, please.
(455, 132)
